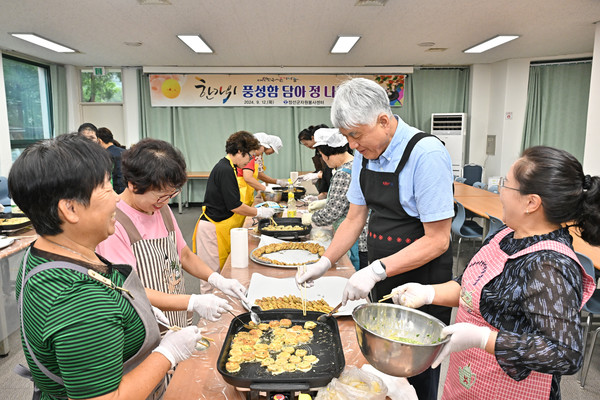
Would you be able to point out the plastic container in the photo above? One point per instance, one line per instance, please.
(291, 205)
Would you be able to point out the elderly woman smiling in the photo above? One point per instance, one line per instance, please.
(147, 236)
(87, 327)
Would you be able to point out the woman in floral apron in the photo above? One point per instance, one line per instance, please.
(518, 325)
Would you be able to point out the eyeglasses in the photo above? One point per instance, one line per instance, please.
(166, 197)
(501, 184)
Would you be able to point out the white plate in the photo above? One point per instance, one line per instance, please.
(329, 288)
(5, 242)
(288, 256)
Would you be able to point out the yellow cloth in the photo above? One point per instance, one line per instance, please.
(223, 229)
(246, 195)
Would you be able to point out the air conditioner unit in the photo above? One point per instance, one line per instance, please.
(451, 128)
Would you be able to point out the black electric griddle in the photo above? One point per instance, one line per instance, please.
(9, 226)
(304, 229)
(326, 345)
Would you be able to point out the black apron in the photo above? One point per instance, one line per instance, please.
(391, 229)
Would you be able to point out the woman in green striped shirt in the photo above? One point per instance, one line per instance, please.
(87, 327)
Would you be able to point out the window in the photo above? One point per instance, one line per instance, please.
(105, 88)
(27, 102)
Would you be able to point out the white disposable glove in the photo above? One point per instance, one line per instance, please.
(309, 198)
(282, 182)
(160, 316)
(413, 295)
(178, 346)
(463, 336)
(362, 281)
(230, 287)
(317, 205)
(306, 218)
(306, 274)
(208, 306)
(308, 177)
(265, 212)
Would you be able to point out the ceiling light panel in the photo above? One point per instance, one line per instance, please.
(491, 43)
(40, 41)
(195, 43)
(344, 44)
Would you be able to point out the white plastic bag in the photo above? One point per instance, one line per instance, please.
(354, 383)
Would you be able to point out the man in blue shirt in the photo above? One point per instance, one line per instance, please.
(404, 178)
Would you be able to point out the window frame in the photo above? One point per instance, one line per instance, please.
(22, 144)
(97, 103)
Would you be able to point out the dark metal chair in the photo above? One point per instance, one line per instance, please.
(464, 229)
(592, 307)
(495, 225)
(472, 173)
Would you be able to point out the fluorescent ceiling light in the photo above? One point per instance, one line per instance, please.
(491, 43)
(40, 41)
(344, 44)
(195, 43)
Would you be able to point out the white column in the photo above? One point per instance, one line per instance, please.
(73, 97)
(5, 154)
(591, 161)
(131, 106)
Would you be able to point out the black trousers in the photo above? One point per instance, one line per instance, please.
(426, 383)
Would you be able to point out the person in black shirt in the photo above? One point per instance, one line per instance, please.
(307, 138)
(114, 148)
(212, 241)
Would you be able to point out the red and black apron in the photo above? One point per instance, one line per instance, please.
(391, 229)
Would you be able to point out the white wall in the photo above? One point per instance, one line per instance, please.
(591, 161)
(5, 155)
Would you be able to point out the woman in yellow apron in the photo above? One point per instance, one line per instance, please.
(223, 204)
(249, 175)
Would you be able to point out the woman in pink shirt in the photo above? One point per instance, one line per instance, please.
(148, 238)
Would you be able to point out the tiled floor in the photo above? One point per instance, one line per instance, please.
(13, 387)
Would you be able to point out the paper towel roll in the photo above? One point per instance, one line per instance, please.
(294, 176)
(239, 248)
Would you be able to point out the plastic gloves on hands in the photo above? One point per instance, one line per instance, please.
(464, 336)
(317, 205)
(308, 273)
(413, 295)
(179, 346)
(282, 182)
(306, 218)
(308, 177)
(361, 282)
(208, 306)
(230, 287)
(265, 212)
(160, 316)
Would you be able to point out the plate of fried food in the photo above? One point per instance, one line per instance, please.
(287, 254)
(282, 293)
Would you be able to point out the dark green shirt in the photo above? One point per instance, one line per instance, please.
(78, 329)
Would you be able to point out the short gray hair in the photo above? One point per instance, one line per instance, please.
(359, 101)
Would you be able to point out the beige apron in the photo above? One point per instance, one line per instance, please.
(137, 299)
(158, 264)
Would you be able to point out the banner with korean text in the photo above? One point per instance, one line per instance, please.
(215, 90)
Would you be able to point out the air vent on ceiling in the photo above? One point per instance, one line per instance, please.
(361, 3)
(154, 2)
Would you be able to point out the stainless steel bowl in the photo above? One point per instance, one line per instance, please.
(377, 322)
(271, 196)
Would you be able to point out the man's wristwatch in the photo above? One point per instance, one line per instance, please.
(379, 269)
